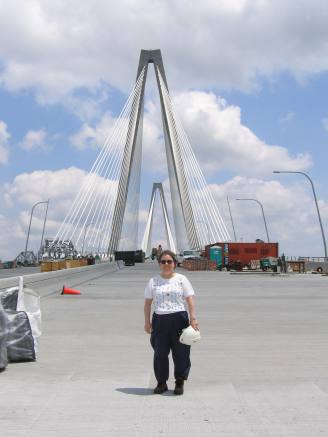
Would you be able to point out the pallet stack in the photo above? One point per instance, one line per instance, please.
(51, 266)
(198, 264)
(255, 264)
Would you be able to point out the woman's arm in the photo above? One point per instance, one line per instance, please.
(192, 314)
(147, 308)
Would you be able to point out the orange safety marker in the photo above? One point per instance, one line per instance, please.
(67, 290)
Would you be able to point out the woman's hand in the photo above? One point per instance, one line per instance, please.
(194, 324)
(148, 327)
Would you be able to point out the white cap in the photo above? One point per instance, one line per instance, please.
(189, 336)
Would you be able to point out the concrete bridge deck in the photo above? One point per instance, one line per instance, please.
(260, 369)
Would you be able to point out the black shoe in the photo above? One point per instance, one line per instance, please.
(161, 388)
(178, 387)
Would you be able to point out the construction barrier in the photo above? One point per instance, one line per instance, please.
(68, 290)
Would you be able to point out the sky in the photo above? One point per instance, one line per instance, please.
(249, 81)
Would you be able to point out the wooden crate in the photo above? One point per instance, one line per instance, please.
(73, 263)
(69, 263)
(62, 264)
(54, 265)
(46, 266)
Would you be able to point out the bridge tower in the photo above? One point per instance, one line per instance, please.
(104, 215)
(146, 241)
(184, 224)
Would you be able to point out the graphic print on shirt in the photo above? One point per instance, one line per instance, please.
(169, 296)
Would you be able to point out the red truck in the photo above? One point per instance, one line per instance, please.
(243, 253)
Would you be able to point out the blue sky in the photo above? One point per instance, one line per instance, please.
(289, 113)
(256, 71)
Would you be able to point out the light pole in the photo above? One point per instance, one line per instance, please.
(101, 235)
(85, 231)
(44, 225)
(315, 200)
(233, 226)
(29, 226)
(265, 224)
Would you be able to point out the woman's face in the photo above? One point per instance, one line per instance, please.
(166, 265)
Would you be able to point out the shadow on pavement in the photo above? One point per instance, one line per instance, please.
(136, 391)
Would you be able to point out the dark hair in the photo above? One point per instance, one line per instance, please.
(171, 254)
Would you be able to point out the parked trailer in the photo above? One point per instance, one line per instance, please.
(239, 255)
(315, 264)
(130, 256)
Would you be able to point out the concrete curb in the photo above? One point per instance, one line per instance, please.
(259, 273)
(50, 280)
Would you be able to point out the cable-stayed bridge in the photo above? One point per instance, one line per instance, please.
(104, 216)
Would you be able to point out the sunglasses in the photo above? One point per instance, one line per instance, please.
(166, 261)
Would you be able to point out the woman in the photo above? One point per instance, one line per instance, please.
(167, 292)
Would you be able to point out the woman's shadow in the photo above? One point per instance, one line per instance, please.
(138, 391)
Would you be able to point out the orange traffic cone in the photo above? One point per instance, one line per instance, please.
(67, 290)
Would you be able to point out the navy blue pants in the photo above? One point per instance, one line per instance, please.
(166, 330)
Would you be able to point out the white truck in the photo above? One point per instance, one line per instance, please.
(188, 254)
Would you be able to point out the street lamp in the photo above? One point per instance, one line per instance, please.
(44, 225)
(233, 226)
(101, 236)
(316, 203)
(29, 226)
(265, 224)
(85, 230)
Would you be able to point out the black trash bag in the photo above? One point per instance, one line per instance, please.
(20, 342)
(3, 338)
(9, 299)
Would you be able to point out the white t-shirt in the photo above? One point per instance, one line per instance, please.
(168, 294)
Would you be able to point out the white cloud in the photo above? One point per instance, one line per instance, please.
(218, 138)
(290, 213)
(216, 133)
(325, 123)
(154, 158)
(60, 46)
(289, 210)
(12, 237)
(94, 136)
(61, 187)
(222, 142)
(4, 138)
(26, 190)
(34, 140)
(287, 118)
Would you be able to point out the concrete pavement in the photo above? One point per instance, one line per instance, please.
(19, 271)
(260, 369)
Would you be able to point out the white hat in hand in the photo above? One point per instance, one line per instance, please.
(189, 336)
